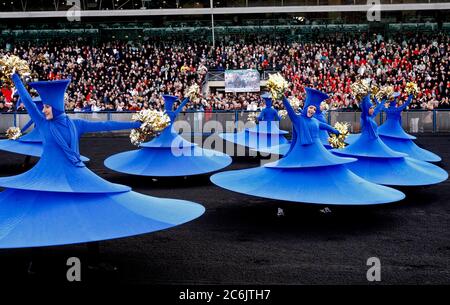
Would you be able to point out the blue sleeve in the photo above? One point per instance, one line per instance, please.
(406, 104)
(183, 103)
(328, 128)
(380, 107)
(321, 118)
(290, 110)
(27, 125)
(85, 126)
(31, 107)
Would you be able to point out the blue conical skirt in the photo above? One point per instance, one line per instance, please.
(255, 141)
(331, 185)
(168, 162)
(404, 171)
(392, 128)
(352, 138)
(275, 150)
(367, 147)
(282, 149)
(32, 136)
(407, 146)
(258, 137)
(64, 178)
(36, 219)
(323, 135)
(33, 149)
(29, 144)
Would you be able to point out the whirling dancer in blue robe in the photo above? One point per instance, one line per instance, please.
(265, 134)
(313, 97)
(60, 201)
(393, 135)
(380, 164)
(318, 98)
(308, 173)
(168, 155)
(352, 138)
(29, 144)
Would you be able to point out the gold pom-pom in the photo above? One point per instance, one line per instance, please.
(295, 103)
(277, 85)
(360, 89)
(374, 89)
(137, 137)
(253, 117)
(13, 133)
(153, 122)
(282, 114)
(7, 65)
(193, 92)
(386, 92)
(338, 141)
(411, 88)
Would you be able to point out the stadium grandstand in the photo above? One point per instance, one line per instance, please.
(123, 54)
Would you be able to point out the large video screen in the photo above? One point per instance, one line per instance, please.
(242, 81)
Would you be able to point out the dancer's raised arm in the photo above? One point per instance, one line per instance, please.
(31, 107)
(183, 103)
(27, 125)
(291, 112)
(380, 107)
(406, 104)
(328, 128)
(85, 126)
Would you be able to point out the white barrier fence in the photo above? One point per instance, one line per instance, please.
(416, 121)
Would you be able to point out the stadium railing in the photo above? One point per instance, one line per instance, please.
(200, 122)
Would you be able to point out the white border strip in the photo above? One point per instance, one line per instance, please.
(229, 10)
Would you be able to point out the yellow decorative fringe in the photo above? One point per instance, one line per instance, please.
(277, 85)
(13, 133)
(338, 141)
(153, 122)
(7, 65)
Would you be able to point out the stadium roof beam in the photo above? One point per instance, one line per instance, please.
(228, 10)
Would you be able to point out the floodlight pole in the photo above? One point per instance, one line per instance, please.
(212, 24)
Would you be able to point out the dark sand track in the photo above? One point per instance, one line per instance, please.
(240, 240)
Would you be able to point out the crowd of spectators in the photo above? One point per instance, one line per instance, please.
(120, 76)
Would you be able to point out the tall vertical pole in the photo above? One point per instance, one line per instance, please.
(212, 24)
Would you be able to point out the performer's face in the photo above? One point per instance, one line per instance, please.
(48, 112)
(311, 111)
(371, 110)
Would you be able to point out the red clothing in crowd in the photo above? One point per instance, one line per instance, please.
(7, 93)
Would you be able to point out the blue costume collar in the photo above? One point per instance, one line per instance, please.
(267, 100)
(169, 100)
(366, 118)
(71, 149)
